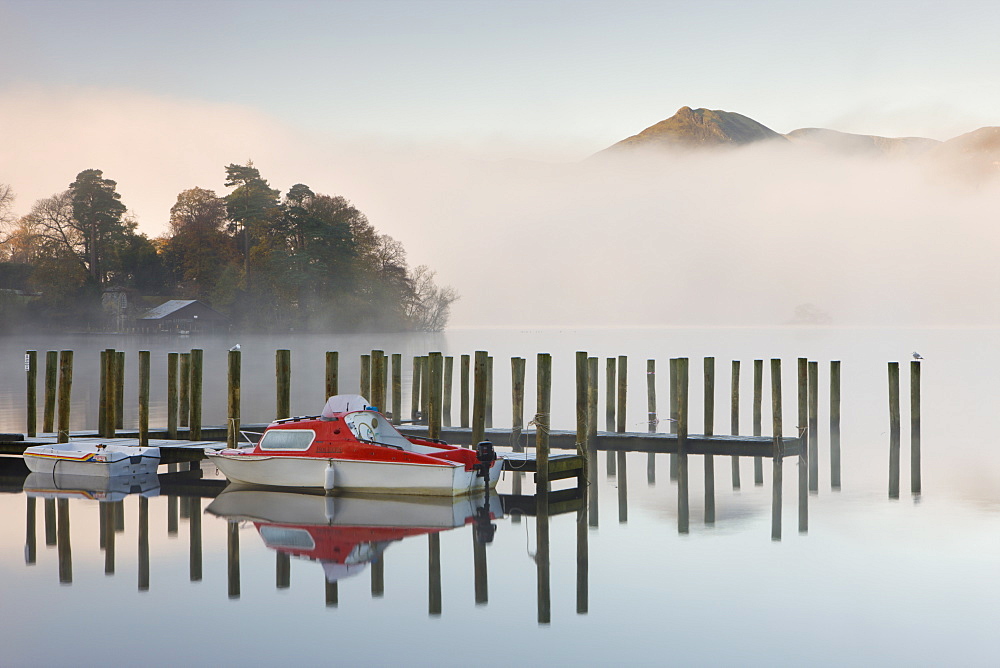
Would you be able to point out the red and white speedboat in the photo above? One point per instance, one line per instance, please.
(353, 447)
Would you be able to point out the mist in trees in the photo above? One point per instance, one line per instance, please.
(304, 261)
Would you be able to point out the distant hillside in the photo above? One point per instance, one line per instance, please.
(700, 128)
(852, 144)
(976, 153)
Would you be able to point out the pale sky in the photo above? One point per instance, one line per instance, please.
(361, 98)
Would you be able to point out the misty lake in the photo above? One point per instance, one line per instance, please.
(141, 577)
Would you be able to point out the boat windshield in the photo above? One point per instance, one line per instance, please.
(287, 439)
(372, 426)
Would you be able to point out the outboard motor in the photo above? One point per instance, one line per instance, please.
(486, 456)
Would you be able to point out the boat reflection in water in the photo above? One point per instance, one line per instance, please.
(104, 489)
(346, 533)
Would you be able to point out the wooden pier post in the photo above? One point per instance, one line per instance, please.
(283, 384)
(172, 360)
(415, 392)
(425, 388)
(463, 403)
(517, 365)
(449, 373)
(593, 374)
(65, 392)
(144, 398)
(110, 361)
(709, 415)
(915, 427)
(681, 391)
(777, 455)
(734, 418)
(543, 420)
(758, 393)
(365, 385)
(489, 391)
(651, 418)
(102, 403)
(31, 372)
(621, 425)
(185, 389)
(802, 385)
(894, 430)
(813, 427)
(479, 398)
(51, 376)
(377, 380)
(609, 411)
(609, 396)
(397, 388)
(197, 377)
(582, 383)
(435, 367)
(234, 402)
(673, 413)
(835, 425)
(332, 376)
(119, 389)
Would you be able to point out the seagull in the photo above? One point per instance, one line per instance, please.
(237, 347)
(917, 356)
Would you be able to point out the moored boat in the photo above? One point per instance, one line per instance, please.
(353, 447)
(85, 459)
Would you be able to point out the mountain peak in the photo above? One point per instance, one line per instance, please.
(700, 128)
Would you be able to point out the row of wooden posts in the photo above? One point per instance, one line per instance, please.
(431, 395)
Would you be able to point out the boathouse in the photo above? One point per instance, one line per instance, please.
(182, 316)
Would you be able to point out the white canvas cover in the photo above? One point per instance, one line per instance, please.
(344, 403)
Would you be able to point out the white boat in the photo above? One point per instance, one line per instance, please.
(85, 459)
(353, 447)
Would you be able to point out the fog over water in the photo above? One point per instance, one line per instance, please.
(734, 238)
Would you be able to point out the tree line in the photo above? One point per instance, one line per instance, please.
(303, 261)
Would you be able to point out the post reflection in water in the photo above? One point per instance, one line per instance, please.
(50, 522)
(434, 574)
(592, 487)
(30, 543)
(622, 487)
(143, 544)
(582, 562)
(233, 558)
(479, 563)
(108, 511)
(194, 524)
(62, 540)
(282, 570)
(544, 607)
(709, 489)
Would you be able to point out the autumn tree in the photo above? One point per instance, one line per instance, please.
(199, 249)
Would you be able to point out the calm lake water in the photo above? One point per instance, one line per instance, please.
(871, 579)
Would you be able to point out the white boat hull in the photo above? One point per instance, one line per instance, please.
(86, 460)
(352, 475)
